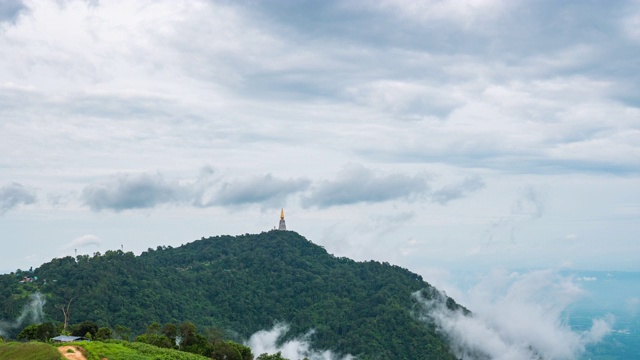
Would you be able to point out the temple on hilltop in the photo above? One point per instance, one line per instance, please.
(282, 225)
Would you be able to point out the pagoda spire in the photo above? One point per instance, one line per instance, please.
(282, 225)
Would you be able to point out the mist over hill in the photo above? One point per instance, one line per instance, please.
(245, 284)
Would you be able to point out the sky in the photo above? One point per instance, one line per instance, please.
(435, 135)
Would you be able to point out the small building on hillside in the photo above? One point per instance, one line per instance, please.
(65, 338)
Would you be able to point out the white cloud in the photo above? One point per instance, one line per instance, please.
(415, 100)
(630, 24)
(465, 13)
(516, 317)
(267, 341)
(83, 241)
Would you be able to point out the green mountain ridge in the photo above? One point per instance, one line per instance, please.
(243, 284)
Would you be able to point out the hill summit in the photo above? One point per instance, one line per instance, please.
(244, 284)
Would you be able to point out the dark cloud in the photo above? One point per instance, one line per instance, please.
(131, 192)
(357, 184)
(147, 191)
(10, 10)
(13, 195)
(458, 190)
(264, 189)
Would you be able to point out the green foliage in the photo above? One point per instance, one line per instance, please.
(84, 328)
(188, 334)
(103, 333)
(277, 356)
(225, 351)
(243, 284)
(122, 333)
(213, 345)
(158, 340)
(198, 345)
(38, 332)
(171, 332)
(244, 351)
(31, 351)
(155, 337)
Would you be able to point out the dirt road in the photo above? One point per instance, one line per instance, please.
(75, 355)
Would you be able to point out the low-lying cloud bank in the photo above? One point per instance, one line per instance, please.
(268, 341)
(515, 317)
(32, 313)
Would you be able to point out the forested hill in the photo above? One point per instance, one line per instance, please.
(242, 284)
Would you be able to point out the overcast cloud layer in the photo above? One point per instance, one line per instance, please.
(426, 133)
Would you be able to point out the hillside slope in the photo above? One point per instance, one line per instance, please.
(244, 284)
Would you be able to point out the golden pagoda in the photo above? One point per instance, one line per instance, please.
(282, 225)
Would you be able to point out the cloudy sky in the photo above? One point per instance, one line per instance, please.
(426, 133)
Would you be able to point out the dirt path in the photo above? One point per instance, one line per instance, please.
(75, 355)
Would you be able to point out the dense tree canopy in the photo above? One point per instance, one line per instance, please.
(241, 284)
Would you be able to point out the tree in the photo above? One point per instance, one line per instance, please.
(104, 333)
(66, 312)
(276, 356)
(215, 335)
(153, 336)
(83, 328)
(190, 341)
(123, 332)
(153, 328)
(29, 333)
(158, 340)
(171, 332)
(245, 351)
(223, 350)
(38, 332)
(188, 333)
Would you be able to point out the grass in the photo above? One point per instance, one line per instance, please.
(30, 351)
(122, 350)
(93, 350)
(96, 350)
